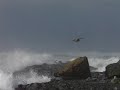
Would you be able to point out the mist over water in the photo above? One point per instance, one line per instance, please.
(19, 59)
(12, 61)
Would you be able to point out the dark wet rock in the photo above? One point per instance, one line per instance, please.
(98, 75)
(76, 69)
(34, 86)
(43, 69)
(21, 87)
(113, 70)
(70, 85)
(115, 80)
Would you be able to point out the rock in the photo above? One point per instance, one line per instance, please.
(70, 85)
(112, 70)
(43, 69)
(34, 86)
(115, 80)
(21, 87)
(98, 75)
(76, 69)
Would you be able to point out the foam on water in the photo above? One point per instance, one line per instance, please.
(6, 81)
(31, 77)
(102, 62)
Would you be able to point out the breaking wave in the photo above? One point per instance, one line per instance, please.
(31, 77)
(19, 59)
(101, 62)
(6, 81)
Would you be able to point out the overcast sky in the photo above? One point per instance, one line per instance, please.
(50, 25)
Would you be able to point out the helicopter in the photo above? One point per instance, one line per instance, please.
(77, 39)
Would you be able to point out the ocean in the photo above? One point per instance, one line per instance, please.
(16, 60)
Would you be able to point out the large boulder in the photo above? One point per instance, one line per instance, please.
(76, 69)
(112, 70)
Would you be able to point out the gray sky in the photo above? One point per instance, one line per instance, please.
(50, 25)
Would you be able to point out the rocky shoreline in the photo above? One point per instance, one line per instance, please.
(70, 85)
(93, 81)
